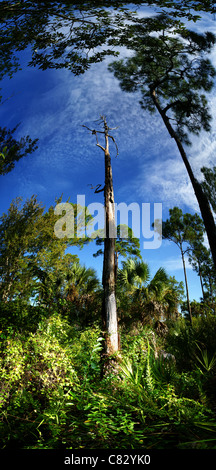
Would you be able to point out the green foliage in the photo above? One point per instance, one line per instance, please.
(199, 309)
(33, 260)
(151, 370)
(52, 395)
(125, 244)
(164, 370)
(86, 350)
(133, 274)
(12, 150)
(142, 299)
(207, 363)
(182, 339)
(201, 260)
(21, 316)
(182, 228)
(209, 185)
(61, 34)
(35, 372)
(162, 69)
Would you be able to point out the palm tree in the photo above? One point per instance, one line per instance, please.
(151, 299)
(81, 282)
(80, 291)
(71, 288)
(135, 275)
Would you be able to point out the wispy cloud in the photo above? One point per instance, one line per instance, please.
(149, 167)
(175, 264)
(164, 178)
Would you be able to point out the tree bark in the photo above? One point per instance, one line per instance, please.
(201, 283)
(202, 199)
(186, 285)
(109, 309)
(109, 313)
(116, 266)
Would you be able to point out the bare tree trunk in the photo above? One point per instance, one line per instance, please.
(186, 285)
(202, 199)
(109, 305)
(109, 310)
(201, 283)
(116, 266)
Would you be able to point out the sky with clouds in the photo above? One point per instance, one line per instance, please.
(53, 105)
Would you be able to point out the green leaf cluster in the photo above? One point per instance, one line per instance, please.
(52, 395)
(171, 70)
(12, 150)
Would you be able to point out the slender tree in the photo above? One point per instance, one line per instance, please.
(109, 310)
(171, 72)
(198, 255)
(201, 260)
(183, 229)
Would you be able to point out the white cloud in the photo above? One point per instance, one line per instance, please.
(157, 172)
(164, 178)
(175, 264)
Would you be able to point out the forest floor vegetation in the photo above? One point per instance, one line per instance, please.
(52, 395)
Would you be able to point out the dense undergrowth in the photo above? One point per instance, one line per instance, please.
(52, 396)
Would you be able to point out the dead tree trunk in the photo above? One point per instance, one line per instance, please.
(109, 307)
(109, 310)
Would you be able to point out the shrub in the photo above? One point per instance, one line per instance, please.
(35, 371)
(53, 397)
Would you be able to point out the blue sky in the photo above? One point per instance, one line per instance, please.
(53, 105)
